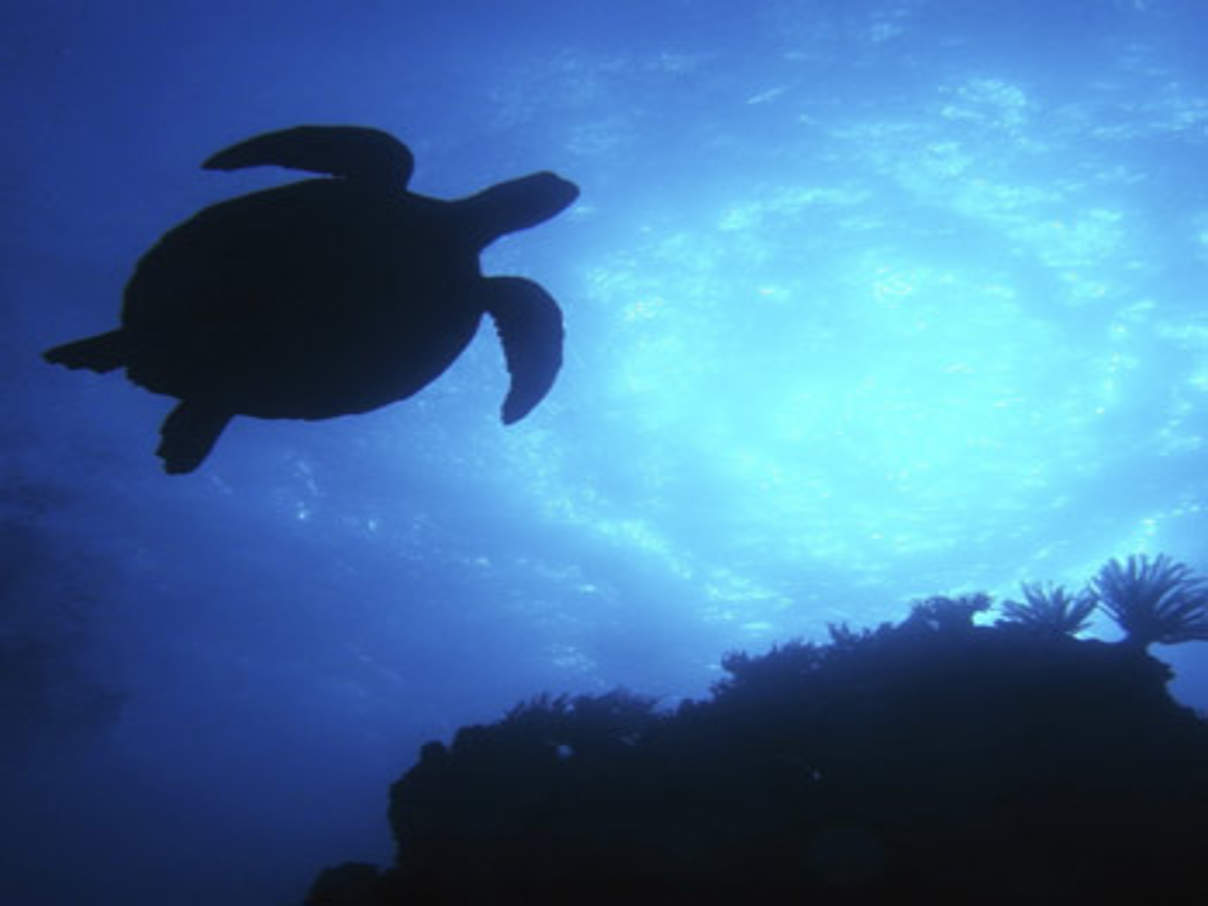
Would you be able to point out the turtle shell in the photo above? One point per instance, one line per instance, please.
(314, 299)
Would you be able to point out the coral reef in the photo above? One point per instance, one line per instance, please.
(932, 760)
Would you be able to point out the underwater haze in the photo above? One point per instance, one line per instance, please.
(864, 302)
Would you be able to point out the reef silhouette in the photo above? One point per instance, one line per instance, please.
(935, 760)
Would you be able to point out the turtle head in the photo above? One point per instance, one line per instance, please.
(519, 204)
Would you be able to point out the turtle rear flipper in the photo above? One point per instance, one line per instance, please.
(188, 435)
(530, 328)
(101, 353)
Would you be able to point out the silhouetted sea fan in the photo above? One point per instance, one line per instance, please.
(1050, 610)
(1159, 602)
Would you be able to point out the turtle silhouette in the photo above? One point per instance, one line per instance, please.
(327, 296)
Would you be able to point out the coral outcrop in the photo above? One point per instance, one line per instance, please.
(931, 761)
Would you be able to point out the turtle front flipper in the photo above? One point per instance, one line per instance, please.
(188, 435)
(529, 323)
(351, 152)
(101, 353)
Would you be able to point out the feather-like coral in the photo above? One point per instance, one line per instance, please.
(1050, 610)
(1160, 601)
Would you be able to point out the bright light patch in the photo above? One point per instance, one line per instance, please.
(908, 346)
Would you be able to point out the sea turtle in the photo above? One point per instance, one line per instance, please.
(327, 296)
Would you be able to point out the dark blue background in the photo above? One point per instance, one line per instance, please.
(864, 301)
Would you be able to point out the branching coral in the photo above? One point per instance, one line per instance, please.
(1160, 602)
(940, 613)
(1050, 611)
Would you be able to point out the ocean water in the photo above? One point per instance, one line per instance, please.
(864, 302)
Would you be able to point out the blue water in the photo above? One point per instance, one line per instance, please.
(864, 302)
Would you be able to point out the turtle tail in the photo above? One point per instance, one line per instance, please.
(102, 353)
